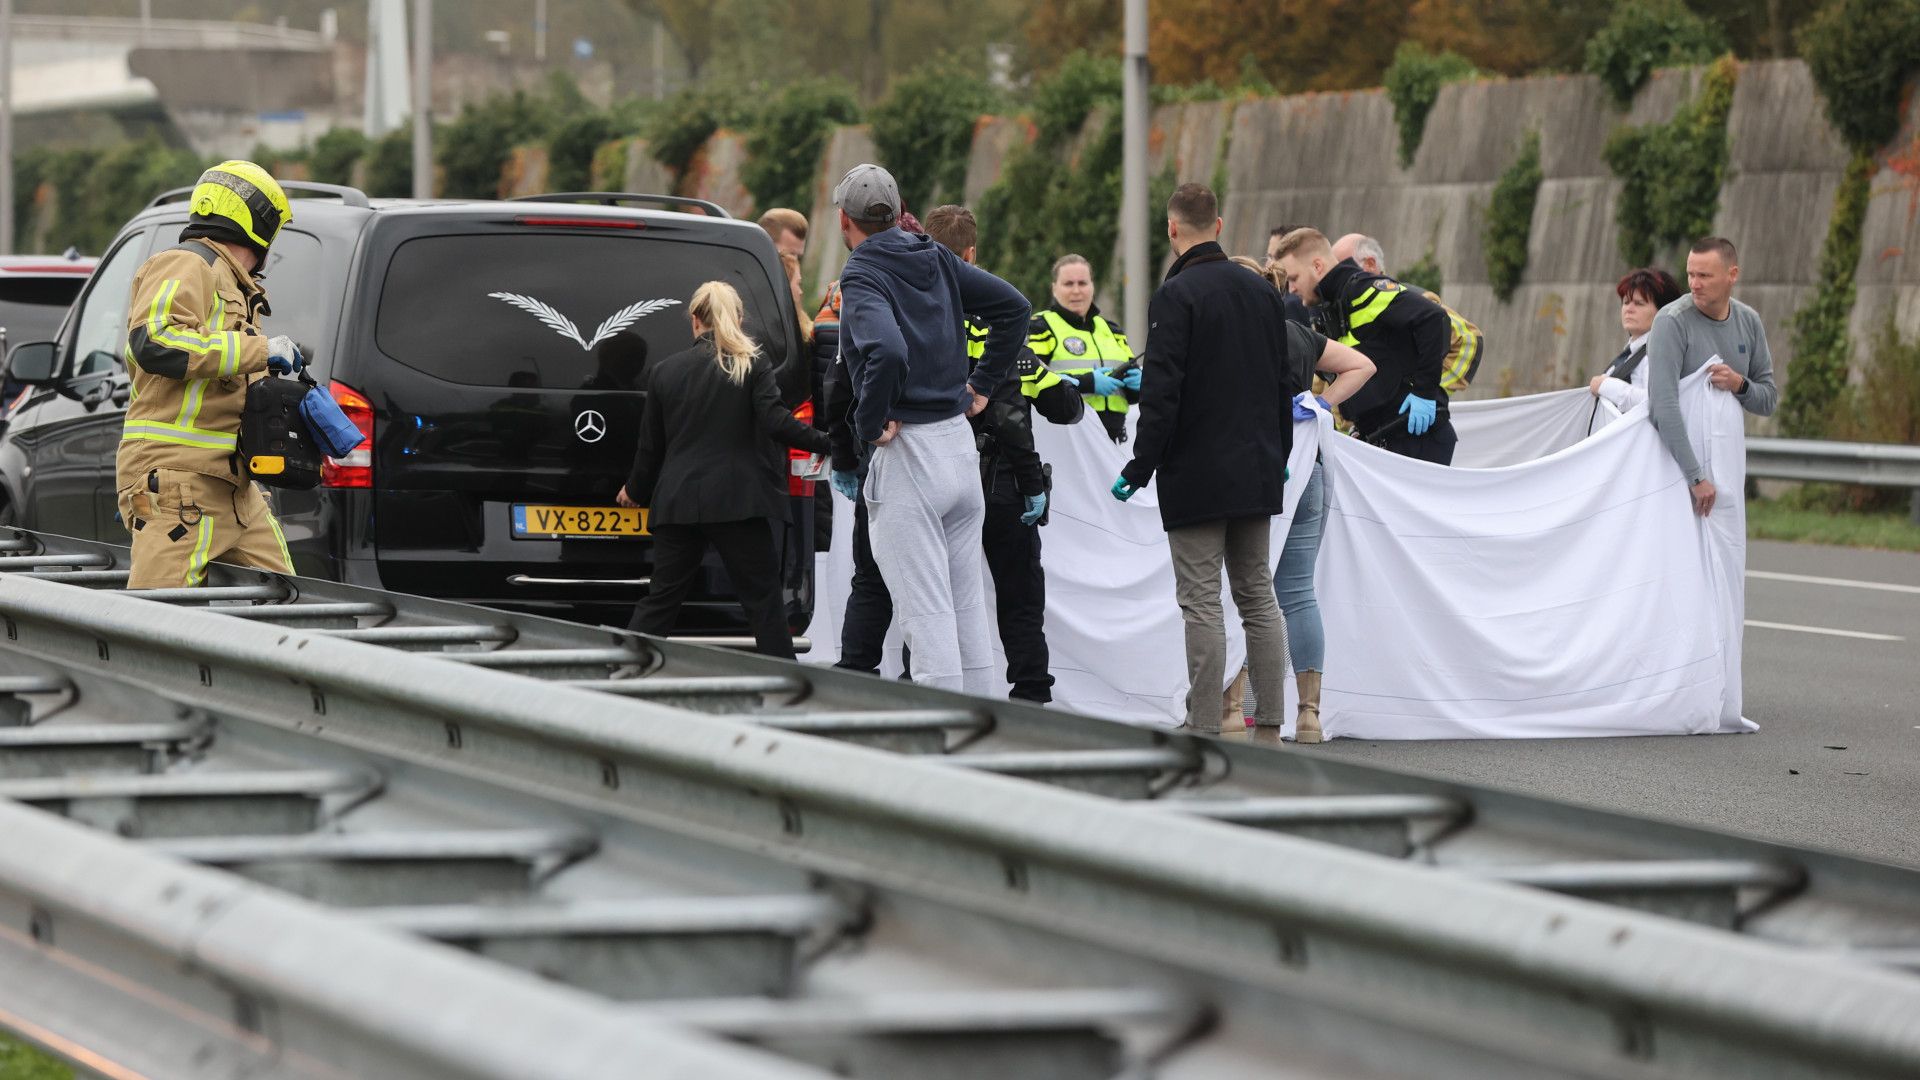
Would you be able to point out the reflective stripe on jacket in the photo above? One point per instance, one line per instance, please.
(193, 345)
(1070, 350)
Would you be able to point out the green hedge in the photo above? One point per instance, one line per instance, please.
(1423, 273)
(570, 154)
(390, 165)
(473, 148)
(1861, 54)
(96, 191)
(1673, 171)
(1044, 206)
(1510, 219)
(1642, 35)
(335, 154)
(1818, 375)
(684, 123)
(1413, 83)
(924, 129)
(788, 138)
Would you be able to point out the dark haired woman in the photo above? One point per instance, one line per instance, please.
(1642, 293)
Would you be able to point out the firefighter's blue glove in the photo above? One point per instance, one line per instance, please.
(1419, 412)
(1123, 489)
(1036, 506)
(1303, 411)
(1104, 384)
(283, 356)
(847, 484)
(1132, 381)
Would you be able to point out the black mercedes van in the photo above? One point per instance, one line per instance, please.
(493, 351)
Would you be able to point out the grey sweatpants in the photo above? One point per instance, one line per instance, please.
(924, 514)
(1198, 554)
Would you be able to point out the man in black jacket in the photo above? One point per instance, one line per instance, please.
(1403, 408)
(1216, 424)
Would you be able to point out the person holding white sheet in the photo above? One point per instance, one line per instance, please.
(1349, 369)
(1642, 293)
(1710, 329)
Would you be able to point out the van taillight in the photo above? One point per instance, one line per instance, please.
(796, 459)
(356, 469)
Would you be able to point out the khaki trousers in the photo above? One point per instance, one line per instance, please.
(181, 521)
(1199, 553)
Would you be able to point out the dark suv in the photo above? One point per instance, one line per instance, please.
(493, 351)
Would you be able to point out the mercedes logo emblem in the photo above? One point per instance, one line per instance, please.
(590, 426)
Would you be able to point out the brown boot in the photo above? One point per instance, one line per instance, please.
(1306, 728)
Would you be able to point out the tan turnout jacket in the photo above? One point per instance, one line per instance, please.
(193, 345)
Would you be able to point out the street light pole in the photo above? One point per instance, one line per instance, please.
(1134, 212)
(540, 30)
(423, 99)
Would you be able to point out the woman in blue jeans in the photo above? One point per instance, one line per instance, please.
(1293, 577)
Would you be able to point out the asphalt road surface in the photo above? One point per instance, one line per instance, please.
(1833, 680)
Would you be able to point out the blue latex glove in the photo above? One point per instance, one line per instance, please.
(1104, 383)
(847, 484)
(1132, 381)
(1036, 506)
(1302, 412)
(1419, 412)
(283, 356)
(1123, 490)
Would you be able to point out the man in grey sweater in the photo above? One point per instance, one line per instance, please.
(1710, 328)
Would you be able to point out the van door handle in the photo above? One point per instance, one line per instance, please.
(528, 579)
(122, 393)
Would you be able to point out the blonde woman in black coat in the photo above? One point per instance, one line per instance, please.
(704, 470)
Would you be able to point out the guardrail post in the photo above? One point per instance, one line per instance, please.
(1913, 513)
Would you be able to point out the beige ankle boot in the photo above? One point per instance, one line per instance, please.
(1306, 728)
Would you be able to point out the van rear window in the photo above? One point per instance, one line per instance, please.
(559, 312)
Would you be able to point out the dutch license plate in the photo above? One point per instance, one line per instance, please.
(571, 522)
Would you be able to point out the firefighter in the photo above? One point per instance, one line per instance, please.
(193, 347)
(1074, 340)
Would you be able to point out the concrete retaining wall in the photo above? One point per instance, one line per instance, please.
(1330, 159)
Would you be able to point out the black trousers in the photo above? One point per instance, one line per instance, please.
(746, 550)
(1435, 446)
(1020, 600)
(863, 629)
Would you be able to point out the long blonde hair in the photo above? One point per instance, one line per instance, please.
(792, 266)
(718, 306)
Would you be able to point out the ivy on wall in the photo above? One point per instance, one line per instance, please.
(1673, 171)
(1642, 35)
(1413, 83)
(787, 139)
(1044, 206)
(924, 130)
(1861, 54)
(1817, 375)
(1510, 219)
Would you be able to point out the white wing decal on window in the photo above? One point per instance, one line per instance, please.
(626, 317)
(546, 313)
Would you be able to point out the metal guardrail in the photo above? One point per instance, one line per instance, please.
(1872, 464)
(1053, 915)
(128, 963)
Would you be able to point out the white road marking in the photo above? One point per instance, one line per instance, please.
(1827, 630)
(1847, 583)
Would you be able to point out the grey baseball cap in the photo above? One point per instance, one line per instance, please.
(868, 193)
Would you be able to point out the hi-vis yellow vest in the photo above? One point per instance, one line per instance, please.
(1033, 377)
(1071, 351)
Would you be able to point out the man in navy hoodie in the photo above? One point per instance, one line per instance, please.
(903, 302)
